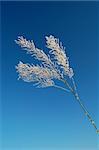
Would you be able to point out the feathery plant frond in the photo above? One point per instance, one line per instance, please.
(40, 75)
(58, 55)
(30, 47)
(54, 66)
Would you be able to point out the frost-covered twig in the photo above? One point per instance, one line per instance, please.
(54, 66)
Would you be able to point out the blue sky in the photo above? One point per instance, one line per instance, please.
(49, 119)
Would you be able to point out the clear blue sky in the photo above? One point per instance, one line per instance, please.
(50, 119)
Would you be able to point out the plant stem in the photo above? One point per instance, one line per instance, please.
(82, 105)
(59, 87)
